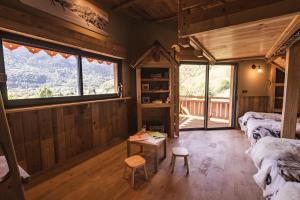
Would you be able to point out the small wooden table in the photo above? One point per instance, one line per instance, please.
(153, 143)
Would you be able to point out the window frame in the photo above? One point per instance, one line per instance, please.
(60, 48)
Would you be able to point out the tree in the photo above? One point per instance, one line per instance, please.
(44, 92)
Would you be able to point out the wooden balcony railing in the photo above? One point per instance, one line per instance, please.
(218, 107)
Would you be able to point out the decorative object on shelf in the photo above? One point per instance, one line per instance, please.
(145, 87)
(168, 100)
(146, 100)
(79, 12)
(157, 101)
(156, 75)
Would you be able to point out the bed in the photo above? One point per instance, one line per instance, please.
(257, 125)
(278, 164)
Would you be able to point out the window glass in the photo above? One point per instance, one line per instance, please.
(99, 76)
(39, 73)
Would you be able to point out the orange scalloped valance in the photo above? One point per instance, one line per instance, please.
(13, 46)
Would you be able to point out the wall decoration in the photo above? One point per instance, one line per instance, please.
(79, 12)
(145, 87)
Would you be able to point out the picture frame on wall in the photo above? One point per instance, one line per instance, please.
(80, 12)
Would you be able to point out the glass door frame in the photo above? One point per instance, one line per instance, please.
(234, 96)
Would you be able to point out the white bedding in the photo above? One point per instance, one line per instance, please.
(289, 191)
(258, 115)
(274, 149)
(258, 125)
(265, 154)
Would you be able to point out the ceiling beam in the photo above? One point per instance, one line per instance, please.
(123, 4)
(284, 37)
(236, 13)
(194, 42)
(278, 65)
(230, 60)
(191, 4)
(167, 18)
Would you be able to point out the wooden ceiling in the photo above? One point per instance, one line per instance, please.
(159, 10)
(254, 39)
(222, 29)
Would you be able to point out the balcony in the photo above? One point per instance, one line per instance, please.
(192, 112)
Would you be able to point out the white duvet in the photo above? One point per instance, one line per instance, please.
(259, 128)
(289, 191)
(274, 149)
(265, 154)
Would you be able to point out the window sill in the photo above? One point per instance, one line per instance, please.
(34, 108)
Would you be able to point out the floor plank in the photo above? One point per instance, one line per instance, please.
(219, 170)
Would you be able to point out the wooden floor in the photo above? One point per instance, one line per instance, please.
(219, 170)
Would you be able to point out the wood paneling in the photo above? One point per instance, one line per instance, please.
(248, 40)
(48, 136)
(235, 14)
(252, 103)
(146, 10)
(17, 18)
(291, 92)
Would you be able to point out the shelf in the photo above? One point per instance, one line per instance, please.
(155, 79)
(156, 105)
(278, 97)
(156, 91)
(279, 84)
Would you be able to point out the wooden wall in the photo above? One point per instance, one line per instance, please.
(22, 19)
(252, 103)
(50, 135)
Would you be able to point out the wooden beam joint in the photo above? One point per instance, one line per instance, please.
(194, 42)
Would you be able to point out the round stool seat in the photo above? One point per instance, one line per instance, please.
(180, 151)
(135, 161)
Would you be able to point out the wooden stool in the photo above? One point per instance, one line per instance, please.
(135, 162)
(180, 152)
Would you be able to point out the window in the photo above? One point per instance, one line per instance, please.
(43, 73)
(38, 73)
(99, 76)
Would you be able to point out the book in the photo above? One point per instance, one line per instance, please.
(139, 137)
(156, 134)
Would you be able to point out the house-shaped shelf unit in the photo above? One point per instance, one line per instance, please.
(157, 91)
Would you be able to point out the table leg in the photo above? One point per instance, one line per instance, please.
(128, 149)
(156, 159)
(187, 165)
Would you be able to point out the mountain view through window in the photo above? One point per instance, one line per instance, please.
(40, 73)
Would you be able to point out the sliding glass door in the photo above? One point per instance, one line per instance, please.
(207, 96)
(220, 96)
(192, 81)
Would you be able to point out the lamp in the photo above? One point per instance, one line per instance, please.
(259, 70)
